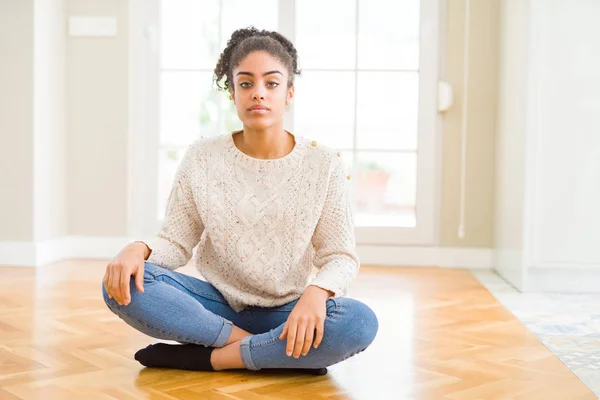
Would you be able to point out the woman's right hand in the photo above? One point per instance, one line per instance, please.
(130, 261)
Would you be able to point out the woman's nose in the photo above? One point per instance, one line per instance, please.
(259, 94)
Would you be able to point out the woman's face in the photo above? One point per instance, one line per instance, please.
(260, 91)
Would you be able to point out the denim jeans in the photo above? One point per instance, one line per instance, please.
(182, 308)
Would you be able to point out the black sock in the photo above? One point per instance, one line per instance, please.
(180, 356)
(195, 358)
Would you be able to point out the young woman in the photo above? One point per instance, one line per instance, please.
(265, 209)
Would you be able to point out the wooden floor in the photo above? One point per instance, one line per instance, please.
(442, 336)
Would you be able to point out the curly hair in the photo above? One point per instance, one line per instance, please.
(245, 41)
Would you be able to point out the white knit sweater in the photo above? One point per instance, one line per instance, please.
(261, 226)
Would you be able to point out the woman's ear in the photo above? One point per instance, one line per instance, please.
(232, 95)
(290, 95)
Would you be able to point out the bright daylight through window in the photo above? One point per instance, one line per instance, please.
(359, 91)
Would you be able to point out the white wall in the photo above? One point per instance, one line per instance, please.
(16, 120)
(32, 120)
(64, 126)
(510, 140)
(549, 146)
(32, 125)
(49, 120)
(97, 103)
(566, 126)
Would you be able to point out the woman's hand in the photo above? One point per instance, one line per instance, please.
(307, 316)
(130, 261)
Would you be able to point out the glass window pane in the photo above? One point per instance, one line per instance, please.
(168, 162)
(189, 34)
(189, 107)
(387, 110)
(241, 14)
(388, 34)
(231, 122)
(324, 106)
(386, 185)
(326, 34)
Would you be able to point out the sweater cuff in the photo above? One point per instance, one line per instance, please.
(336, 276)
(161, 253)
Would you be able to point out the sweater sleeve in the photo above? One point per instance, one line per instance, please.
(334, 240)
(182, 226)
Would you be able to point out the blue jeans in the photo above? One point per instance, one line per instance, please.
(179, 307)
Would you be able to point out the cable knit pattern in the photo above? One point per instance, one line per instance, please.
(264, 229)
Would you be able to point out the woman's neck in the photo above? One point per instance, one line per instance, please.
(264, 144)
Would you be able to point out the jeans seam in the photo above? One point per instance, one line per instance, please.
(174, 278)
(176, 337)
(335, 312)
(262, 344)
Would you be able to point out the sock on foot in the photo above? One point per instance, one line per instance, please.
(194, 357)
(180, 356)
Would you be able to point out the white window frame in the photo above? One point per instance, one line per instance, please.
(144, 62)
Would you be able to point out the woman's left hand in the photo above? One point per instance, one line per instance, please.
(307, 316)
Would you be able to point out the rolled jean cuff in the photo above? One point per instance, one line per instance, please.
(246, 358)
(224, 334)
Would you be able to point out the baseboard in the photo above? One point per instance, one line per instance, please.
(29, 254)
(444, 257)
(17, 254)
(49, 251)
(95, 247)
(34, 254)
(565, 279)
(509, 265)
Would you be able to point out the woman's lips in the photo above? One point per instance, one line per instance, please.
(259, 110)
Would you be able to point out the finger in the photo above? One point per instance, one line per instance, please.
(300, 334)
(308, 338)
(285, 331)
(320, 331)
(293, 327)
(106, 283)
(114, 284)
(139, 279)
(124, 281)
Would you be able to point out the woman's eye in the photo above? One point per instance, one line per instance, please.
(245, 85)
(272, 84)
